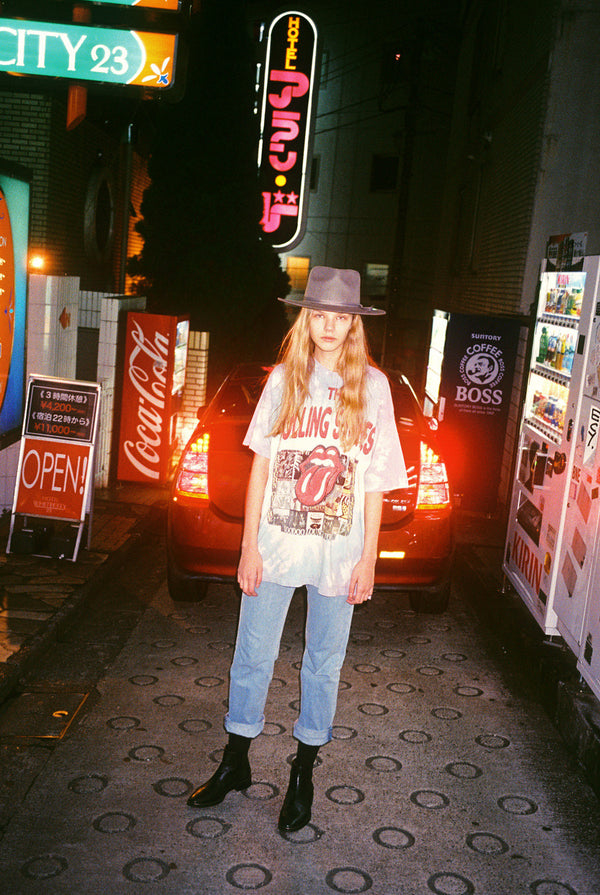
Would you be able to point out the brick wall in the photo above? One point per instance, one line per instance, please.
(194, 392)
(65, 165)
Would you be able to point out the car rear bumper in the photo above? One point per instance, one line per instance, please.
(205, 545)
(202, 543)
(418, 554)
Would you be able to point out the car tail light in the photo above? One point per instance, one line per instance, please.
(434, 490)
(192, 476)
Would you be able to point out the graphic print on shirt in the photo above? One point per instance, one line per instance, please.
(313, 492)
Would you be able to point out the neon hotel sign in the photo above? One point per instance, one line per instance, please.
(287, 121)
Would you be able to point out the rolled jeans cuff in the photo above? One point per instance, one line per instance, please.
(312, 737)
(244, 730)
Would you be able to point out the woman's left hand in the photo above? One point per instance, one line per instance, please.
(361, 582)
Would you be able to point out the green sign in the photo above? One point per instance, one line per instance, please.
(88, 53)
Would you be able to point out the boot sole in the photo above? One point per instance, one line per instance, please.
(294, 827)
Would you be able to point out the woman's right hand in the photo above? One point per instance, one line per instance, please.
(250, 568)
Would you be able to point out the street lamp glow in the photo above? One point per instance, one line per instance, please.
(37, 262)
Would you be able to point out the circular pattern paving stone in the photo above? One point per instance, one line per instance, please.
(492, 741)
(114, 822)
(248, 876)
(195, 725)
(271, 729)
(209, 681)
(551, 887)
(44, 867)
(517, 805)
(464, 770)
(207, 827)
(90, 783)
(172, 787)
(146, 753)
(123, 723)
(261, 791)
(145, 870)
(446, 714)
(339, 732)
(467, 691)
(374, 709)
(415, 737)
(403, 689)
(487, 844)
(393, 837)
(184, 661)
(383, 763)
(450, 884)
(345, 795)
(393, 653)
(309, 833)
(168, 700)
(366, 668)
(348, 880)
(143, 680)
(220, 646)
(429, 799)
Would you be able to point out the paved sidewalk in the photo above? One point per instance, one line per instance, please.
(37, 595)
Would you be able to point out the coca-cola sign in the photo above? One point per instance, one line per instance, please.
(144, 444)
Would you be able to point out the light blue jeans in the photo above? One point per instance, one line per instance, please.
(262, 619)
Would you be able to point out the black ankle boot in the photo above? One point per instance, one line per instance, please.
(233, 773)
(295, 812)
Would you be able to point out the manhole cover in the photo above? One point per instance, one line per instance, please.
(40, 714)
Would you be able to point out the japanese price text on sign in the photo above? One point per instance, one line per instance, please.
(55, 466)
(61, 413)
(88, 53)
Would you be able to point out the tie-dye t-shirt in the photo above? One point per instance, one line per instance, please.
(312, 523)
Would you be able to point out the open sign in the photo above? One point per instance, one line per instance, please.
(287, 127)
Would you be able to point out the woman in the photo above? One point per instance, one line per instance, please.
(325, 448)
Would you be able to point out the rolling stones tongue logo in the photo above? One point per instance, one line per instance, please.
(318, 474)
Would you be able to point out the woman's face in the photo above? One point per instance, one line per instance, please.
(328, 330)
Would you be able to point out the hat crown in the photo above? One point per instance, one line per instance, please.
(333, 289)
(332, 286)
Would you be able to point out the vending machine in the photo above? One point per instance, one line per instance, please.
(153, 380)
(552, 534)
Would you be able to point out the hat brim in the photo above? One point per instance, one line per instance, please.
(339, 309)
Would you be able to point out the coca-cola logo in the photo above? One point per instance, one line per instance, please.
(146, 372)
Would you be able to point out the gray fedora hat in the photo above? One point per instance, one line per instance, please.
(332, 289)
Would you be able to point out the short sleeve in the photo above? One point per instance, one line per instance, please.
(257, 437)
(387, 469)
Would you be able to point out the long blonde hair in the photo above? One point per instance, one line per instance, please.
(296, 355)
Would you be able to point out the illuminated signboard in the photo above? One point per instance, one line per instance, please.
(14, 227)
(56, 470)
(88, 53)
(287, 122)
(147, 4)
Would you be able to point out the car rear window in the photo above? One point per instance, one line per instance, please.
(239, 397)
(406, 407)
